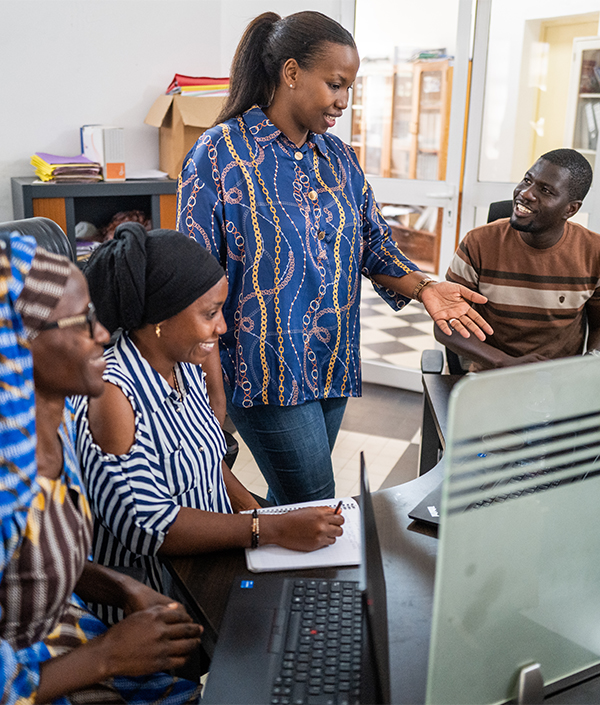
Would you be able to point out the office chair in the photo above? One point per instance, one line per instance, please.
(46, 232)
(499, 209)
(433, 363)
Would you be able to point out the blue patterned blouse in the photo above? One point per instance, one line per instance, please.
(294, 228)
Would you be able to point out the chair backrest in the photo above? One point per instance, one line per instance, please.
(497, 210)
(46, 232)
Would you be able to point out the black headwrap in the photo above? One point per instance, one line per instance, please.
(144, 277)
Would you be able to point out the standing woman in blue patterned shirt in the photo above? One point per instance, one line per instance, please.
(288, 212)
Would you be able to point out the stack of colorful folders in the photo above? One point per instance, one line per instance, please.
(198, 85)
(79, 169)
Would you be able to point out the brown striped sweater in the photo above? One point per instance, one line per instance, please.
(538, 300)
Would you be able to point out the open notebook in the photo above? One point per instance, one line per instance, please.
(345, 551)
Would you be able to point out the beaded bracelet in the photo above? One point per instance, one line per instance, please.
(255, 531)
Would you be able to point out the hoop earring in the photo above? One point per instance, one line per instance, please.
(157, 330)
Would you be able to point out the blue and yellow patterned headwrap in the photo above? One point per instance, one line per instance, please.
(17, 404)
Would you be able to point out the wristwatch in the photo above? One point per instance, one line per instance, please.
(420, 286)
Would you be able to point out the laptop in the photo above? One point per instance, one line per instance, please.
(429, 508)
(295, 640)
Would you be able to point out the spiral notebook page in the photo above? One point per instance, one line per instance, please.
(345, 551)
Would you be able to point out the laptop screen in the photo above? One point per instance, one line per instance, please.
(372, 576)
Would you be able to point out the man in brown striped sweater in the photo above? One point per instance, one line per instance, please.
(539, 271)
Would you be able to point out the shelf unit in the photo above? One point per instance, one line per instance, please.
(400, 120)
(400, 124)
(583, 104)
(68, 204)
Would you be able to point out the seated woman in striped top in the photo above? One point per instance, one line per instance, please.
(150, 447)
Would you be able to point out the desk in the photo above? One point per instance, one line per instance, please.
(409, 554)
(409, 562)
(436, 390)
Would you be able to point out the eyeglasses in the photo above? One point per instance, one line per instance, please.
(90, 318)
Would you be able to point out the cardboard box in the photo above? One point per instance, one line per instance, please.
(105, 145)
(181, 120)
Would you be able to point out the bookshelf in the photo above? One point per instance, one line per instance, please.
(400, 124)
(68, 204)
(583, 104)
(400, 120)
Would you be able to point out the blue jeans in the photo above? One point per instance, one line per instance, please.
(292, 445)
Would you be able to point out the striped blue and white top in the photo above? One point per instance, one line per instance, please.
(175, 461)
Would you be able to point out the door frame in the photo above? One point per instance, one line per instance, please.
(441, 194)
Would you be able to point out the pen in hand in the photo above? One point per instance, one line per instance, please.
(338, 509)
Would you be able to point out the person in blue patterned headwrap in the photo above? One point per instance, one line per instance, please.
(48, 649)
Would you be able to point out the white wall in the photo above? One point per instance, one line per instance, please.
(65, 63)
(382, 25)
(511, 26)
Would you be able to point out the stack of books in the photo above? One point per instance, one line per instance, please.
(57, 169)
(198, 85)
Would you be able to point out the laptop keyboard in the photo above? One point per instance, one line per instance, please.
(322, 649)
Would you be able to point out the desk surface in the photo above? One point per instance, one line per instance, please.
(409, 553)
(409, 561)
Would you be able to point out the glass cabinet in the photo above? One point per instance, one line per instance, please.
(583, 113)
(408, 138)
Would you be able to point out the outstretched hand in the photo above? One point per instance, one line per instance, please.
(448, 305)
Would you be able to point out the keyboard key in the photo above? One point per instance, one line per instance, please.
(320, 699)
(298, 694)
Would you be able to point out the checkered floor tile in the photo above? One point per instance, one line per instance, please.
(395, 337)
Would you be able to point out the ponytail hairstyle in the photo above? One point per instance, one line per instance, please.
(268, 42)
